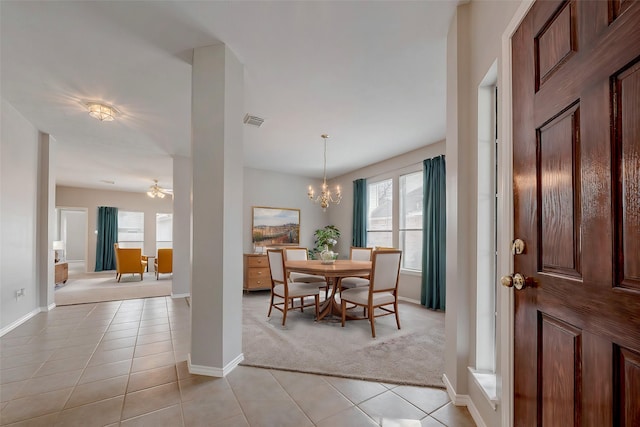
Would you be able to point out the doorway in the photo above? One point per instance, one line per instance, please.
(72, 232)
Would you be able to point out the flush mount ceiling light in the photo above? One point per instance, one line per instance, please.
(325, 197)
(102, 112)
(156, 191)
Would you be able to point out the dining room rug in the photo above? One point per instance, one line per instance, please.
(413, 355)
(99, 287)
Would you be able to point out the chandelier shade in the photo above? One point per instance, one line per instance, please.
(102, 112)
(325, 197)
(156, 191)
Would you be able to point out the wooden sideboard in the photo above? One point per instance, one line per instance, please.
(62, 272)
(256, 272)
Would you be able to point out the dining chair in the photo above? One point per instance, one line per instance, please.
(382, 291)
(301, 254)
(357, 254)
(283, 288)
(128, 260)
(164, 262)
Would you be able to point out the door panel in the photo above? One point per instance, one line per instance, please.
(627, 104)
(576, 124)
(560, 348)
(559, 194)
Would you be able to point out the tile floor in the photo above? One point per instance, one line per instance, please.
(123, 363)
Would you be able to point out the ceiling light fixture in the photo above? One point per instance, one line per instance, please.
(325, 197)
(156, 191)
(102, 112)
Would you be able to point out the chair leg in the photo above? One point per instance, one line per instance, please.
(270, 306)
(119, 276)
(343, 305)
(301, 304)
(284, 313)
(395, 307)
(371, 320)
(317, 298)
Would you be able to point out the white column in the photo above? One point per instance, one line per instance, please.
(45, 231)
(217, 164)
(181, 286)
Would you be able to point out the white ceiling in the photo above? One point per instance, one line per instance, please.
(369, 73)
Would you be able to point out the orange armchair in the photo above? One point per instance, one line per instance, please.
(163, 262)
(129, 260)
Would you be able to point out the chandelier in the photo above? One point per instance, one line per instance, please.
(156, 191)
(104, 113)
(325, 197)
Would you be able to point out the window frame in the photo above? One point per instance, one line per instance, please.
(394, 176)
(402, 216)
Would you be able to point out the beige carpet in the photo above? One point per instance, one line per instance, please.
(412, 355)
(98, 287)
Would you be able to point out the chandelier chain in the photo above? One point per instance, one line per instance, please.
(325, 197)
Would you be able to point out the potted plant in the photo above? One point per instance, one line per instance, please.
(326, 238)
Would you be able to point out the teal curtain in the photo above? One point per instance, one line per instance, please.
(107, 236)
(433, 293)
(359, 238)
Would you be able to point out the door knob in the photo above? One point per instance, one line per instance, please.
(507, 281)
(516, 280)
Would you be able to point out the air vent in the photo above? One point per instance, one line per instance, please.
(253, 120)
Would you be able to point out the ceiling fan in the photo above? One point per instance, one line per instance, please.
(156, 191)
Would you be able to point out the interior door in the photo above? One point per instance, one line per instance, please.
(576, 121)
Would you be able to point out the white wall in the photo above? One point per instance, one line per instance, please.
(272, 189)
(474, 44)
(181, 284)
(18, 215)
(91, 199)
(74, 234)
(342, 214)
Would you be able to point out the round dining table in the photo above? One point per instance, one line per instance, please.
(333, 273)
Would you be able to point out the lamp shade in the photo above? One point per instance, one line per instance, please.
(58, 245)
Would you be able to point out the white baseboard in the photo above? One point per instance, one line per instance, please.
(180, 295)
(211, 371)
(463, 400)
(48, 308)
(20, 321)
(414, 301)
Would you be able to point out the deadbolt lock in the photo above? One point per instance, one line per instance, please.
(517, 247)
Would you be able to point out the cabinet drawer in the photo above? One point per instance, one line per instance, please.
(259, 283)
(257, 261)
(258, 273)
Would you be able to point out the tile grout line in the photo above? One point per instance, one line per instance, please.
(357, 405)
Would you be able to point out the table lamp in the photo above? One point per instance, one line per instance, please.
(58, 245)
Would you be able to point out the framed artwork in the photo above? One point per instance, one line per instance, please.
(275, 227)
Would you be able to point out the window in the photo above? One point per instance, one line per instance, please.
(164, 231)
(380, 213)
(131, 229)
(410, 230)
(486, 225)
(394, 217)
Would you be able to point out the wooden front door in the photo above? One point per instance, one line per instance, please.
(576, 121)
